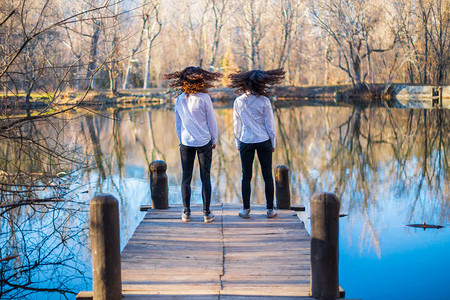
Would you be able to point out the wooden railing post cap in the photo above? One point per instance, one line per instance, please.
(104, 198)
(158, 166)
(281, 167)
(325, 197)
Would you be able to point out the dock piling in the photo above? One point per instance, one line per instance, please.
(105, 239)
(283, 194)
(159, 185)
(436, 97)
(324, 246)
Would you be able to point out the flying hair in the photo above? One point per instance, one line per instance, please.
(256, 81)
(192, 80)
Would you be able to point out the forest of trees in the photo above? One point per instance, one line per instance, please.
(49, 46)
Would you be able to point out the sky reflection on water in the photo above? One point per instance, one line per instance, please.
(389, 168)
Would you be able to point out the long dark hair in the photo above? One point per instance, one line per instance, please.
(192, 80)
(256, 81)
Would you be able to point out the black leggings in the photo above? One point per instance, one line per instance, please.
(247, 153)
(204, 155)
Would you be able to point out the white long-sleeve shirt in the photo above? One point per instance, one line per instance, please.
(253, 120)
(195, 121)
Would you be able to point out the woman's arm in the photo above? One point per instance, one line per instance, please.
(177, 121)
(237, 125)
(270, 122)
(211, 120)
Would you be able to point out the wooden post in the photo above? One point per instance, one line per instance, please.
(159, 185)
(325, 246)
(282, 187)
(436, 97)
(105, 239)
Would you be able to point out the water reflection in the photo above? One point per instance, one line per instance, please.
(390, 167)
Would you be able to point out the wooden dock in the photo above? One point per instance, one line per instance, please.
(231, 258)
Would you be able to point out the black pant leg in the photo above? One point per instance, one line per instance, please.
(247, 153)
(187, 155)
(264, 151)
(204, 155)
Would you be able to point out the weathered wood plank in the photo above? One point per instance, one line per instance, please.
(266, 279)
(266, 290)
(171, 297)
(249, 297)
(263, 272)
(258, 258)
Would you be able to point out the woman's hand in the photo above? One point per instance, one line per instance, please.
(214, 146)
(273, 149)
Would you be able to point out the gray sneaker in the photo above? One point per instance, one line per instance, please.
(244, 213)
(186, 216)
(271, 213)
(208, 217)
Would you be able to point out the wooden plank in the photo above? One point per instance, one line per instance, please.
(267, 290)
(298, 207)
(233, 258)
(85, 295)
(270, 279)
(250, 297)
(264, 272)
(170, 297)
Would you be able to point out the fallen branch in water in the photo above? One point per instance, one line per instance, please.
(9, 257)
(8, 206)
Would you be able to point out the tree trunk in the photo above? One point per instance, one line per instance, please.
(356, 61)
(92, 56)
(28, 97)
(112, 81)
(127, 71)
(425, 73)
(147, 65)
(114, 70)
(214, 53)
(78, 73)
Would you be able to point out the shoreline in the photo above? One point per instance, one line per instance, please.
(397, 95)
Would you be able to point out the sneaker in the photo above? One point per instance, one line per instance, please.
(186, 216)
(245, 213)
(208, 217)
(271, 213)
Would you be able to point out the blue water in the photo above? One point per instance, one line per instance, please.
(410, 264)
(388, 172)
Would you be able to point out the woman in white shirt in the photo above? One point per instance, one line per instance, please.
(196, 127)
(254, 130)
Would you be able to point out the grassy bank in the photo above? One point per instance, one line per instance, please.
(151, 97)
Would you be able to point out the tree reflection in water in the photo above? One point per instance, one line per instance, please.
(43, 235)
(368, 157)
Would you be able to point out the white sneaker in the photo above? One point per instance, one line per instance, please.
(271, 213)
(208, 217)
(186, 216)
(244, 213)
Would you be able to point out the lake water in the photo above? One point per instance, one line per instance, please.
(389, 167)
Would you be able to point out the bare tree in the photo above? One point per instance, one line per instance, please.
(132, 55)
(253, 28)
(219, 8)
(350, 24)
(288, 12)
(153, 25)
(38, 167)
(439, 39)
(114, 64)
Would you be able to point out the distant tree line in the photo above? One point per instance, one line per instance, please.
(58, 45)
